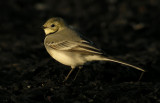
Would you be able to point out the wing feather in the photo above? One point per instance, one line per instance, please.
(83, 47)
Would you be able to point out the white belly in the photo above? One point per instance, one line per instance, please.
(66, 58)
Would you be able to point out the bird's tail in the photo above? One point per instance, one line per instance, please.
(120, 62)
(117, 61)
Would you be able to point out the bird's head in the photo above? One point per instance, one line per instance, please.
(53, 25)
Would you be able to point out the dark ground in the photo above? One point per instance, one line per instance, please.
(125, 29)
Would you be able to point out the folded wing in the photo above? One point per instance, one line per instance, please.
(83, 47)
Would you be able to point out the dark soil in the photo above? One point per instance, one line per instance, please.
(125, 29)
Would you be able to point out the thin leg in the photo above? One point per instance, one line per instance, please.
(72, 68)
(80, 67)
(141, 76)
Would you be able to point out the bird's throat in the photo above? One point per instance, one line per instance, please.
(49, 31)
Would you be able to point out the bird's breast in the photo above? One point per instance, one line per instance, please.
(66, 58)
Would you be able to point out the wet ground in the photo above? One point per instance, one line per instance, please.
(127, 30)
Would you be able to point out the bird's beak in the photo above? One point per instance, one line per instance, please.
(43, 27)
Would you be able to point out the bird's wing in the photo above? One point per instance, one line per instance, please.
(83, 47)
(63, 45)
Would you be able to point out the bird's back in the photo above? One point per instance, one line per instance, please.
(66, 34)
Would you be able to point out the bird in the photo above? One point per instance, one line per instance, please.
(70, 47)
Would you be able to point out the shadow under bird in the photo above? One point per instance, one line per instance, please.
(69, 47)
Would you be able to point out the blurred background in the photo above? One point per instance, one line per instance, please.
(124, 29)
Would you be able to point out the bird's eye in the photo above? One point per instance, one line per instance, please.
(52, 25)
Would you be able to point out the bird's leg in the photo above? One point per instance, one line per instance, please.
(80, 67)
(72, 68)
(141, 76)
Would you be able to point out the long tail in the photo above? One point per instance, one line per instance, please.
(113, 60)
(120, 62)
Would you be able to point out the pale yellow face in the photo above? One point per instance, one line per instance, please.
(54, 25)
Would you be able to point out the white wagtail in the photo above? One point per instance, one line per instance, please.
(69, 47)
